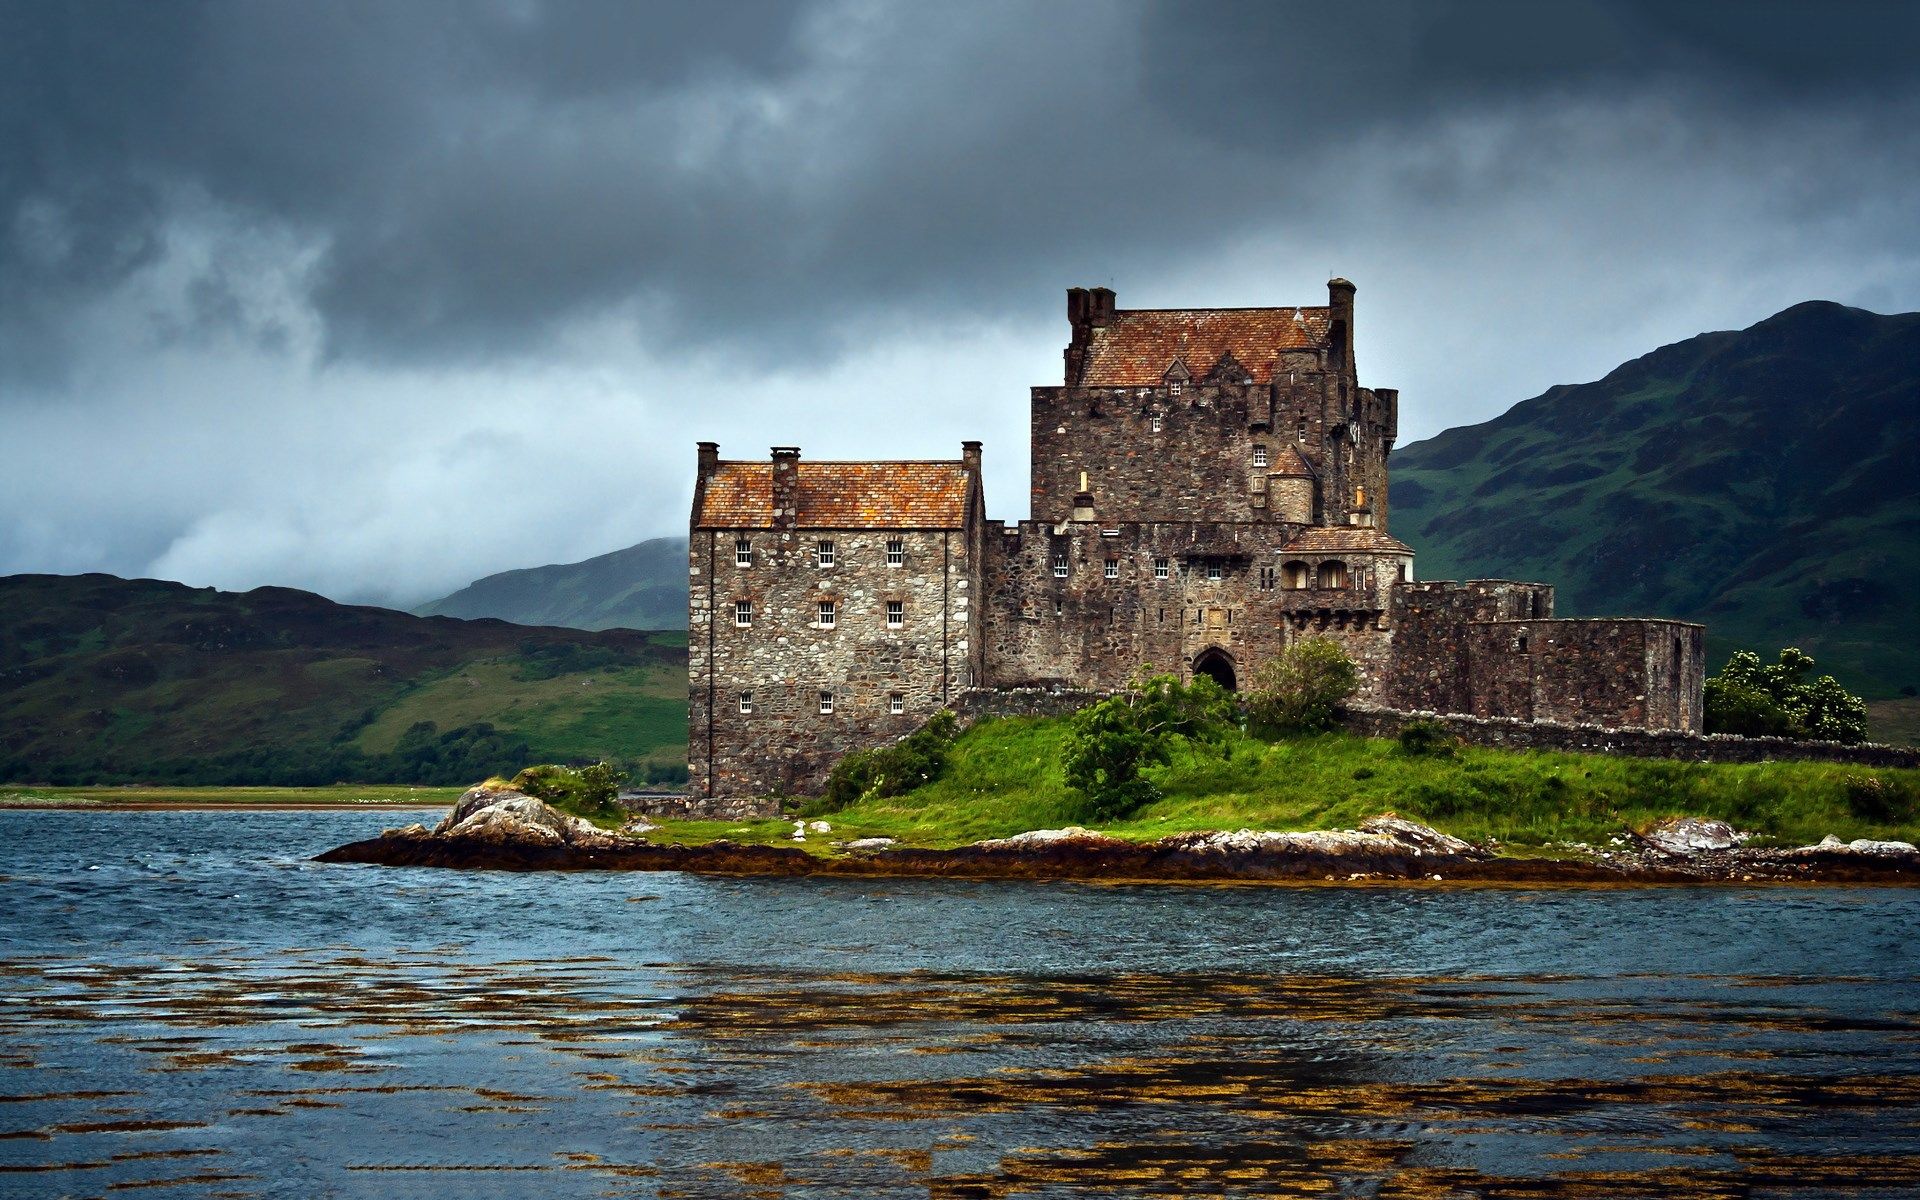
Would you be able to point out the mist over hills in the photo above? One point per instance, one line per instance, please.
(1762, 481)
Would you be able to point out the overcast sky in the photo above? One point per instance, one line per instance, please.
(375, 298)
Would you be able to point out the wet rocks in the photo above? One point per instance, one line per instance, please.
(1833, 845)
(1685, 837)
(502, 815)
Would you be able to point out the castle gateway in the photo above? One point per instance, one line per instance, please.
(1208, 485)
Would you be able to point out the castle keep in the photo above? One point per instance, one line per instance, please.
(1208, 485)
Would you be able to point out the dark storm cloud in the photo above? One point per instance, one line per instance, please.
(296, 292)
(474, 175)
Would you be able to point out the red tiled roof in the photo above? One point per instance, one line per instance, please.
(1137, 346)
(841, 495)
(1346, 539)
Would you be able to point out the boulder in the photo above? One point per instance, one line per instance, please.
(1416, 836)
(1888, 849)
(1684, 837)
(1034, 839)
(862, 845)
(504, 815)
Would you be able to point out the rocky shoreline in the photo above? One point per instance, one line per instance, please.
(503, 830)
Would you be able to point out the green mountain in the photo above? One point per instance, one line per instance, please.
(641, 587)
(107, 680)
(1761, 481)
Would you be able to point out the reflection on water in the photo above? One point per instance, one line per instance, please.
(188, 1005)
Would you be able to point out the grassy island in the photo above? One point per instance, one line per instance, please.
(1005, 776)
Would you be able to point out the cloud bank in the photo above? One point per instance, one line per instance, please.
(377, 298)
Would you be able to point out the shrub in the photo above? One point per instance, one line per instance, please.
(1879, 800)
(1427, 739)
(1301, 689)
(894, 770)
(1753, 700)
(1110, 743)
(591, 792)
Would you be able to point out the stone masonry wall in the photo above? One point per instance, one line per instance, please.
(1512, 734)
(1088, 630)
(1431, 620)
(1620, 672)
(786, 658)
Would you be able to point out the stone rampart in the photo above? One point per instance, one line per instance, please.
(1513, 734)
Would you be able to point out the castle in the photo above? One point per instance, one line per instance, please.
(1208, 485)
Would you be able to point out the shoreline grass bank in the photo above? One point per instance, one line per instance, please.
(239, 799)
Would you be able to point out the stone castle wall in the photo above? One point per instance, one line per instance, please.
(786, 658)
(1515, 734)
(1088, 630)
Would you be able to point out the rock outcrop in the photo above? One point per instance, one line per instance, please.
(1684, 837)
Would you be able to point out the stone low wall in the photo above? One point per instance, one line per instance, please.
(677, 806)
(976, 703)
(1513, 734)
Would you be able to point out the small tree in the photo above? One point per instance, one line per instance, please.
(1301, 689)
(1110, 743)
(895, 770)
(1756, 700)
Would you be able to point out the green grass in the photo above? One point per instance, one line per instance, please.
(1004, 777)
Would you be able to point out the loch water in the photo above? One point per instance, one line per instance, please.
(192, 1008)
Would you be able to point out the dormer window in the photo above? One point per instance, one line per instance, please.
(1259, 456)
(1175, 387)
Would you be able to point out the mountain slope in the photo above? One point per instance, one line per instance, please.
(641, 587)
(1762, 481)
(108, 680)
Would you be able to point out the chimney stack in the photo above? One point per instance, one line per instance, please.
(786, 486)
(1100, 307)
(709, 457)
(970, 457)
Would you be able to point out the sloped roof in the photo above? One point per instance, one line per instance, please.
(841, 495)
(1346, 539)
(1136, 347)
(1288, 461)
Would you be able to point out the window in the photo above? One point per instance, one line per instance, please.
(1161, 568)
(823, 553)
(742, 552)
(1176, 389)
(1213, 570)
(746, 703)
(1520, 643)
(896, 613)
(1259, 456)
(896, 551)
(1058, 608)
(826, 614)
(1113, 568)
(1296, 576)
(1266, 579)
(1333, 575)
(743, 612)
(1153, 422)
(826, 703)
(896, 704)
(1300, 433)
(1060, 566)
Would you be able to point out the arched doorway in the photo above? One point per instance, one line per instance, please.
(1217, 665)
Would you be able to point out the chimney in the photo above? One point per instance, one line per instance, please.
(786, 486)
(709, 454)
(970, 457)
(1340, 321)
(1100, 307)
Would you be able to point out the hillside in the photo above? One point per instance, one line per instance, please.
(111, 680)
(641, 587)
(1761, 481)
